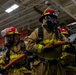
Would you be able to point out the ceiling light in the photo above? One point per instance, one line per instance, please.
(8, 10)
(13, 7)
(73, 23)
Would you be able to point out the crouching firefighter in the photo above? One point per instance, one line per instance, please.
(14, 48)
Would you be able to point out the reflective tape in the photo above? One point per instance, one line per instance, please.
(13, 33)
(17, 70)
(46, 41)
(65, 46)
(49, 41)
(14, 56)
(40, 48)
(51, 59)
(1, 61)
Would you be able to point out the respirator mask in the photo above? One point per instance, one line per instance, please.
(50, 21)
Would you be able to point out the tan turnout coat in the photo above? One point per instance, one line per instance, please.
(38, 67)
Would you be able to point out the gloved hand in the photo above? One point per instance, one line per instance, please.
(28, 53)
(50, 46)
(2, 70)
(71, 49)
(68, 58)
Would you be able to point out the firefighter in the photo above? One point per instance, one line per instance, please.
(69, 54)
(48, 58)
(69, 30)
(14, 48)
(47, 62)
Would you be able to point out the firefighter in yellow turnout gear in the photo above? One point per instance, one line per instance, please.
(48, 58)
(48, 61)
(14, 48)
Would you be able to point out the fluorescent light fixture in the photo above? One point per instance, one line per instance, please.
(13, 7)
(8, 10)
(74, 23)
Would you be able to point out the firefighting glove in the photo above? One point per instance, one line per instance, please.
(28, 53)
(70, 49)
(2, 70)
(68, 58)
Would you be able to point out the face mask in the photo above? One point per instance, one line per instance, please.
(51, 21)
(12, 39)
(16, 38)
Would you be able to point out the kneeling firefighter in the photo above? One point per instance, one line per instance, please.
(14, 48)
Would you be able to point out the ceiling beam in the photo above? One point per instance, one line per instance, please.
(18, 19)
(37, 10)
(64, 8)
(27, 8)
(21, 22)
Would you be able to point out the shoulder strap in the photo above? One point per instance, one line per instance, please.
(7, 47)
(40, 34)
(8, 56)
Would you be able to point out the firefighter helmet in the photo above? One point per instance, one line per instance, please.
(48, 12)
(11, 35)
(9, 31)
(63, 31)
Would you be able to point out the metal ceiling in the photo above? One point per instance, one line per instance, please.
(27, 17)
